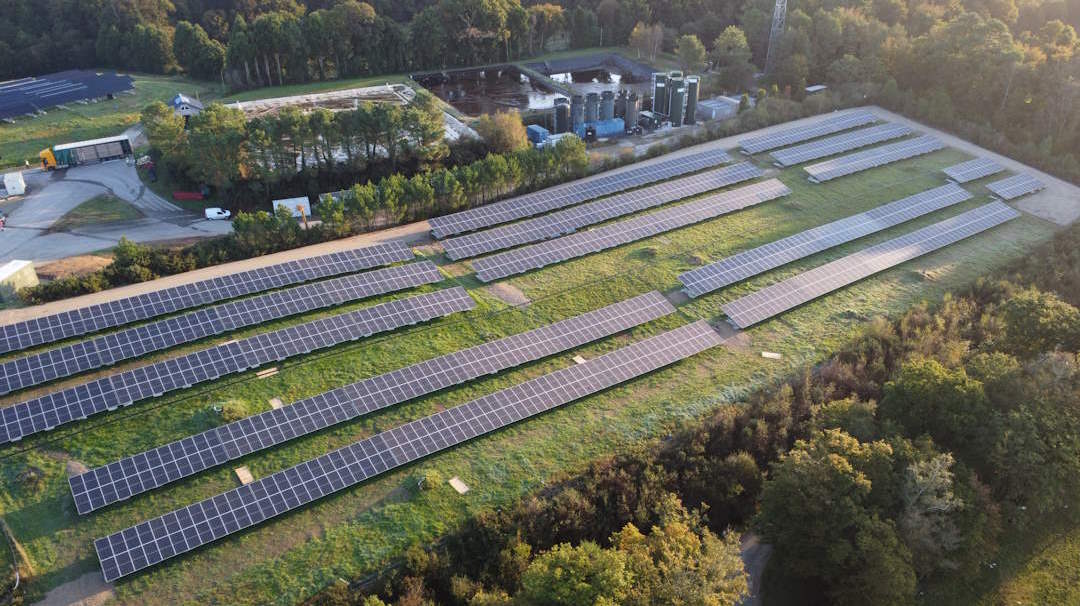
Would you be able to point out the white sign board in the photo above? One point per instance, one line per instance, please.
(14, 184)
(292, 203)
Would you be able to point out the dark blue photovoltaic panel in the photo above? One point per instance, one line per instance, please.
(94, 318)
(872, 158)
(149, 543)
(156, 467)
(973, 169)
(121, 389)
(1015, 186)
(28, 95)
(782, 137)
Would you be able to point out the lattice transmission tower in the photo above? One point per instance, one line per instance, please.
(779, 18)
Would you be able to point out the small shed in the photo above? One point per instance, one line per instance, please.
(293, 203)
(14, 184)
(718, 108)
(186, 106)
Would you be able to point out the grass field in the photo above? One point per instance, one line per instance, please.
(105, 208)
(361, 529)
(28, 136)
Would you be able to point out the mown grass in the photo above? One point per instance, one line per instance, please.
(24, 139)
(361, 529)
(105, 208)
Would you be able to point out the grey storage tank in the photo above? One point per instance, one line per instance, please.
(577, 111)
(607, 105)
(692, 84)
(592, 107)
(660, 94)
(633, 110)
(562, 115)
(678, 97)
(620, 105)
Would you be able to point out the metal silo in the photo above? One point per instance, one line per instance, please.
(678, 97)
(562, 115)
(592, 107)
(633, 108)
(692, 83)
(577, 111)
(607, 105)
(660, 94)
(620, 105)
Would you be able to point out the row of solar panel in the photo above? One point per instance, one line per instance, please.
(971, 170)
(798, 134)
(74, 403)
(872, 158)
(85, 320)
(572, 219)
(628, 230)
(151, 542)
(809, 285)
(1015, 186)
(156, 336)
(148, 470)
(574, 192)
(780, 252)
(837, 144)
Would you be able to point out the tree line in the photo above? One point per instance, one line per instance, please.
(897, 466)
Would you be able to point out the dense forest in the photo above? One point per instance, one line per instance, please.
(894, 468)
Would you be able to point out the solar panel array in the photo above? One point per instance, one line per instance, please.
(74, 403)
(148, 470)
(798, 134)
(803, 244)
(155, 336)
(622, 232)
(844, 142)
(807, 286)
(571, 219)
(1015, 186)
(188, 528)
(574, 192)
(872, 158)
(84, 320)
(973, 169)
(28, 95)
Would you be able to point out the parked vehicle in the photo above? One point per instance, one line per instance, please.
(82, 152)
(217, 213)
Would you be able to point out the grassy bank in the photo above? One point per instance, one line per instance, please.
(105, 208)
(360, 529)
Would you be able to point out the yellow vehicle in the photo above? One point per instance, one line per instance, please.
(82, 152)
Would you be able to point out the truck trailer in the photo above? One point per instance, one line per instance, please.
(83, 152)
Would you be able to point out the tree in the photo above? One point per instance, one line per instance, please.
(216, 153)
(196, 52)
(503, 131)
(1038, 322)
(544, 20)
(731, 57)
(585, 575)
(691, 53)
(646, 40)
(165, 129)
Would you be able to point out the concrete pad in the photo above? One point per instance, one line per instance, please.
(276, 403)
(458, 485)
(269, 372)
(580, 360)
(771, 355)
(244, 475)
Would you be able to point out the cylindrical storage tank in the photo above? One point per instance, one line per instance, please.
(620, 105)
(607, 105)
(562, 114)
(592, 107)
(692, 83)
(660, 97)
(577, 111)
(633, 109)
(678, 97)
(674, 82)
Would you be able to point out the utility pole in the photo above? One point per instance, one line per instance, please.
(779, 18)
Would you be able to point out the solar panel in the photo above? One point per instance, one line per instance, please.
(622, 232)
(803, 244)
(790, 136)
(574, 192)
(844, 142)
(94, 318)
(590, 213)
(188, 528)
(809, 285)
(28, 95)
(1015, 186)
(973, 169)
(155, 336)
(75, 403)
(148, 470)
(872, 158)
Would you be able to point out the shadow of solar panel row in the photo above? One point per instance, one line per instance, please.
(623, 232)
(803, 244)
(561, 196)
(1015, 186)
(188, 528)
(94, 318)
(973, 169)
(571, 219)
(156, 336)
(809, 285)
(798, 134)
(873, 158)
(75, 403)
(28, 95)
(838, 144)
(148, 470)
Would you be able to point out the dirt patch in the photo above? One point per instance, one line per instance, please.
(508, 294)
(88, 590)
(72, 266)
(733, 338)
(455, 270)
(677, 297)
(431, 250)
(75, 468)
